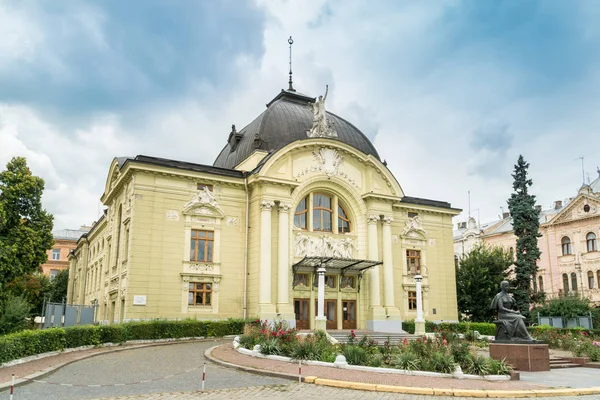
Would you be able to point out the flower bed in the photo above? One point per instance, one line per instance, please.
(580, 342)
(441, 355)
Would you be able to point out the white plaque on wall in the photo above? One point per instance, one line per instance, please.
(139, 300)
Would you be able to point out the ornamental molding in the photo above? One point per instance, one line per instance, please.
(413, 228)
(386, 220)
(203, 203)
(323, 246)
(233, 221)
(327, 161)
(267, 205)
(372, 219)
(285, 207)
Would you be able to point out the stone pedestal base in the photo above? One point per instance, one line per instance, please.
(385, 326)
(420, 328)
(522, 356)
(320, 324)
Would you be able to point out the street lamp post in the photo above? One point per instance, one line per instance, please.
(419, 321)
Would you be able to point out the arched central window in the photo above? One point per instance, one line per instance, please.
(592, 244)
(321, 212)
(566, 246)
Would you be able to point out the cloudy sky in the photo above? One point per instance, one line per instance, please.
(451, 92)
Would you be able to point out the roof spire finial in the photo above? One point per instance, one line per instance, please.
(291, 86)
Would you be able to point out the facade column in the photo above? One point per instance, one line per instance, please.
(285, 310)
(320, 320)
(266, 308)
(388, 267)
(419, 321)
(376, 312)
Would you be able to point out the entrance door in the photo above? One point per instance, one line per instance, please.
(330, 313)
(301, 311)
(349, 314)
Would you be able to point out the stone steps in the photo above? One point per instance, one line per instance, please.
(559, 362)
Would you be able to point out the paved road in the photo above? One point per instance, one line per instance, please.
(303, 391)
(140, 365)
(153, 363)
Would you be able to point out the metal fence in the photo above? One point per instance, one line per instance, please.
(63, 315)
(562, 322)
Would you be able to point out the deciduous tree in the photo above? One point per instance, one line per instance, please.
(25, 227)
(478, 279)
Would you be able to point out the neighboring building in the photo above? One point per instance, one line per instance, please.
(468, 236)
(65, 240)
(291, 191)
(570, 260)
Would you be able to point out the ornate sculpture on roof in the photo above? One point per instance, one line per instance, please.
(203, 197)
(321, 126)
(413, 227)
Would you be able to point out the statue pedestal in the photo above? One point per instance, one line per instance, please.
(531, 357)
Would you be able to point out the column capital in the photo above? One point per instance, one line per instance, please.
(387, 220)
(284, 207)
(372, 219)
(267, 205)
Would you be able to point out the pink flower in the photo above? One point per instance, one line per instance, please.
(444, 342)
(405, 341)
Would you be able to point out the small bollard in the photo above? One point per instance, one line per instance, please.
(12, 386)
(299, 371)
(203, 376)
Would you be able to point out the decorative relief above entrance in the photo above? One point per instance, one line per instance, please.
(203, 203)
(323, 246)
(328, 161)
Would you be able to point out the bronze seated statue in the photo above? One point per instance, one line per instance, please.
(510, 325)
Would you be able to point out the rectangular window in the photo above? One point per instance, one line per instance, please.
(53, 273)
(201, 246)
(301, 280)
(126, 249)
(330, 281)
(201, 186)
(199, 294)
(413, 260)
(412, 300)
(56, 254)
(322, 213)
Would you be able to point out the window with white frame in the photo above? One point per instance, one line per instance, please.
(56, 254)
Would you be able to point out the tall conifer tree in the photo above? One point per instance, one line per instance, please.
(526, 224)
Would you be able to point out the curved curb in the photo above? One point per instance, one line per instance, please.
(40, 374)
(373, 387)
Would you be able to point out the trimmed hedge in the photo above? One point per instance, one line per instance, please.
(29, 343)
(409, 326)
(462, 327)
(594, 333)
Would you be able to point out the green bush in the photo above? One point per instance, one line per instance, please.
(409, 326)
(16, 315)
(28, 343)
(355, 355)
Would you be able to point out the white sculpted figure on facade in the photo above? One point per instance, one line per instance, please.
(323, 246)
(203, 197)
(321, 127)
(413, 225)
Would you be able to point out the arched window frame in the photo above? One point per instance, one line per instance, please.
(566, 246)
(573, 281)
(317, 216)
(301, 211)
(591, 242)
(343, 218)
(591, 279)
(565, 278)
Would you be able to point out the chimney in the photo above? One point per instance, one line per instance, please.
(538, 207)
(557, 204)
(505, 215)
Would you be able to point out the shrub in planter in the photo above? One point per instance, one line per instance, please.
(476, 365)
(270, 347)
(442, 362)
(355, 355)
(499, 367)
(406, 360)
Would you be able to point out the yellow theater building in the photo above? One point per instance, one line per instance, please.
(298, 219)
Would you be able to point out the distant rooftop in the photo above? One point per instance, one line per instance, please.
(70, 234)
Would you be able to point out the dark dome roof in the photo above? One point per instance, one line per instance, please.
(286, 120)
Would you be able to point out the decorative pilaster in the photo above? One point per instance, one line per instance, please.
(374, 295)
(388, 267)
(266, 309)
(284, 309)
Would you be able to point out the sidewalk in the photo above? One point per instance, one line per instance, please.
(227, 354)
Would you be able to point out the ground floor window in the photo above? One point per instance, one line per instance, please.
(348, 282)
(199, 294)
(301, 280)
(330, 281)
(412, 300)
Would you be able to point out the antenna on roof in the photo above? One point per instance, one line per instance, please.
(291, 85)
(582, 170)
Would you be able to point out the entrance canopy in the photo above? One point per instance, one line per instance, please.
(342, 265)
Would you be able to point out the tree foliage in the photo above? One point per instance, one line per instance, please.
(15, 315)
(478, 279)
(25, 227)
(33, 288)
(525, 216)
(58, 290)
(568, 306)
